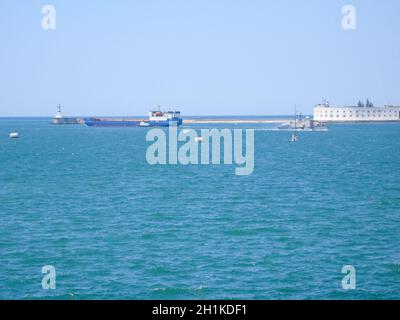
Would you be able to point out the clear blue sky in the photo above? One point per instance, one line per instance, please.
(205, 56)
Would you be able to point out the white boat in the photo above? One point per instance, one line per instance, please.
(198, 139)
(305, 124)
(14, 135)
(144, 124)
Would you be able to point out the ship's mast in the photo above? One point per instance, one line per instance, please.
(294, 135)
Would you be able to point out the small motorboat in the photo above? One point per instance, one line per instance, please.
(13, 135)
(144, 124)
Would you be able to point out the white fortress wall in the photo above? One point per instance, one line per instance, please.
(356, 114)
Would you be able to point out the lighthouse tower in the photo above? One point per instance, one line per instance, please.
(58, 115)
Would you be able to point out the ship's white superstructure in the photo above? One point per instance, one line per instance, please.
(163, 116)
(326, 113)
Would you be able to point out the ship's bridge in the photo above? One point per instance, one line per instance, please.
(163, 116)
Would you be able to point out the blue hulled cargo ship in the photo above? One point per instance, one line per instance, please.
(155, 119)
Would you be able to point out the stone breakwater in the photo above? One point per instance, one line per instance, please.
(228, 121)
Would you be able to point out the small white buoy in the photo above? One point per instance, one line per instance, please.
(14, 135)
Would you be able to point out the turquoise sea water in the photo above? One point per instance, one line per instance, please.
(86, 201)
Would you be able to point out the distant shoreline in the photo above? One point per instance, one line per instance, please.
(188, 120)
(189, 117)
